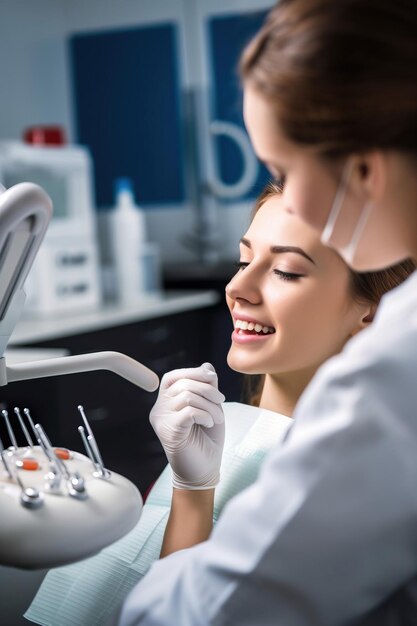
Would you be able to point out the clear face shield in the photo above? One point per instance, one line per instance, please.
(348, 250)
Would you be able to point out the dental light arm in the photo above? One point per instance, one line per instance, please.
(25, 212)
(116, 362)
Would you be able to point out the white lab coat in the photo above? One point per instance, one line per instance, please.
(327, 535)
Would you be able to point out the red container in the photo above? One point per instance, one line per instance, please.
(45, 135)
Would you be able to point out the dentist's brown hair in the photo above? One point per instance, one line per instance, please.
(340, 74)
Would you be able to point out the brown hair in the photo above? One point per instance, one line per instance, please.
(341, 74)
(365, 286)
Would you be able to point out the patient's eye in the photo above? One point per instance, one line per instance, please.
(288, 275)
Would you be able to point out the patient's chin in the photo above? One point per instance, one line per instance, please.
(241, 365)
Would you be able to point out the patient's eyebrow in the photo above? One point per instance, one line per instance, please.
(281, 249)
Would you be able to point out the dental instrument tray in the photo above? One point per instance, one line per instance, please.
(56, 505)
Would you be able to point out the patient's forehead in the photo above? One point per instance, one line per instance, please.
(272, 220)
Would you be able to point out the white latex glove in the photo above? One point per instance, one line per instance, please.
(189, 421)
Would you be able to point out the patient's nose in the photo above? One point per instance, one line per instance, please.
(244, 286)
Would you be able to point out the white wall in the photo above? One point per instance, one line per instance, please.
(36, 88)
(33, 70)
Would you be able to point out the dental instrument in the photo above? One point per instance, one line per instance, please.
(88, 450)
(23, 426)
(75, 482)
(102, 471)
(53, 476)
(10, 429)
(30, 497)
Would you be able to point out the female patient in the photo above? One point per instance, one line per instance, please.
(294, 304)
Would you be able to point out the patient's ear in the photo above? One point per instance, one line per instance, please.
(367, 318)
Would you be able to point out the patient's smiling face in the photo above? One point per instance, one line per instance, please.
(298, 293)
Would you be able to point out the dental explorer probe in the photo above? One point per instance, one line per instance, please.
(2, 455)
(75, 482)
(54, 476)
(23, 426)
(97, 469)
(9, 429)
(47, 444)
(30, 497)
(31, 422)
(51, 457)
(26, 462)
(105, 473)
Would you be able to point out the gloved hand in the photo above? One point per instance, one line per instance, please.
(189, 421)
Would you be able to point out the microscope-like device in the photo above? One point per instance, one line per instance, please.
(56, 505)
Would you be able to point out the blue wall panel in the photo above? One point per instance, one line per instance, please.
(127, 106)
(228, 36)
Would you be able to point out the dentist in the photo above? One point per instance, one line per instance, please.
(328, 533)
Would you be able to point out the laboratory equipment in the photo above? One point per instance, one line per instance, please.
(65, 275)
(57, 505)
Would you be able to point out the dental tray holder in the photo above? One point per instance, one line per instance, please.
(62, 529)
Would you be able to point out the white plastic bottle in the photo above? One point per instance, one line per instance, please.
(128, 235)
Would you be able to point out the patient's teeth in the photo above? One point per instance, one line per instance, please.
(242, 325)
